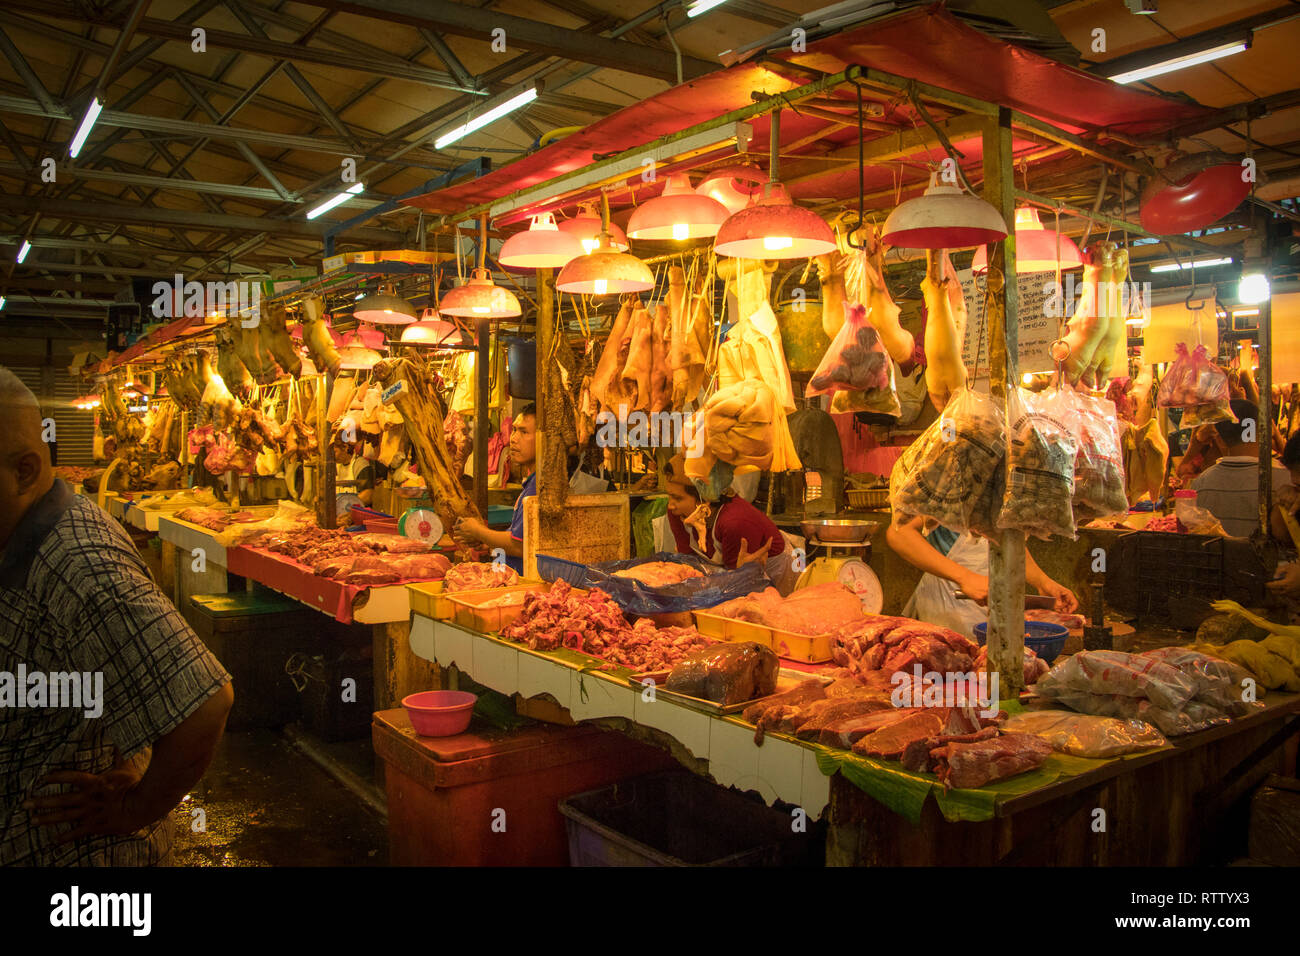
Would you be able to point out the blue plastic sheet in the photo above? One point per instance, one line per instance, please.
(632, 596)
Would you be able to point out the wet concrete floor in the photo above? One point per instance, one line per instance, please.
(265, 804)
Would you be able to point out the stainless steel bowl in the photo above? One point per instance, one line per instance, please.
(845, 531)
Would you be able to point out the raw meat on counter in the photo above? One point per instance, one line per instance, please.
(658, 574)
(214, 519)
(1071, 621)
(813, 610)
(477, 576)
(1035, 666)
(360, 559)
(726, 674)
(973, 760)
(593, 624)
(892, 644)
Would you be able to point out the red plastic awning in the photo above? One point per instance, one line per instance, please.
(929, 45)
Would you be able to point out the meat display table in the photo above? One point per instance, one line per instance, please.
(184, 574)
(882, 814)
(1160, 808)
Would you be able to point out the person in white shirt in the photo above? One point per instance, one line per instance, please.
(1229, 489)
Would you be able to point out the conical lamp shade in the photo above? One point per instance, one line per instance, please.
(677, 213)
(943, 218)
(480, 297)
(430, 330)
(586, 228)
(541, 246)
(1035, 247)
(774, 228)
(604, 272)
(734, 186)
(384, 308)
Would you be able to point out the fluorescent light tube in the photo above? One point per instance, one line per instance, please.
(702, 6)
(1199, 263)
(22, 253)
(488, 116)
(2, 302)
(333, 201)
(1181, 62)
(92, 114)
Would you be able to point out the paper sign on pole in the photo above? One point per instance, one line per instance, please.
(1037, 330)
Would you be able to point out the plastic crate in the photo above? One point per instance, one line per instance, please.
(679, 819)
(558, 569)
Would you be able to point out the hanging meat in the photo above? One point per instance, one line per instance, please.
(608, 384)
(248, 345)
(1098, 321)
(945, 374)
(229, 367)
(637, 368)
(316, 336)
(275, 336)
(422, 418)
(882, 312)
(661, 375)
(690, 335)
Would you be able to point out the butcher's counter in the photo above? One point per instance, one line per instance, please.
(194, 562)
(1156, 804)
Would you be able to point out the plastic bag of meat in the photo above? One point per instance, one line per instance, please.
(1193, 379)
(1194, 416)
(1171, 721)
(1084, 735)
(726, 674)
(856, 360)
(1099, 462)
(1042, 449)
(953, 473)
(1219, 683)
(1115, 672)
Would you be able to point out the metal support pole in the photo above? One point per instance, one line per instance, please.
(1006, 556)
(482, 406)
(326, 515)
(552, 456)
(1264, 427)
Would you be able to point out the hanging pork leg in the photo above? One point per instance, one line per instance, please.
(316, 333)
(275, 335)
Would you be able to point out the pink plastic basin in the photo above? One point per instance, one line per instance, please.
(381, 525)
(440, 713)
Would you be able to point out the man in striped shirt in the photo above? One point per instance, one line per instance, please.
(110, 706)
(1229, 489)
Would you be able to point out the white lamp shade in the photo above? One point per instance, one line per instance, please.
(774, 228)
(678, 213)
(543, 245)
(1036, 247)
(605, 272)
(944, 217)
(382, 308)
(734, 186)
(586, 228)
(480, 297)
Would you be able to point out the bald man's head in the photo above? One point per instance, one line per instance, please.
(25, 472)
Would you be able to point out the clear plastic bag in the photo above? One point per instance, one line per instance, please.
(1115, 672)
(1193, 379)
(1084, 735)
(880, 401)
(1171, 721)
(1099, 461)
(1194, 416)
(1040, 479)
(856, 360)
(1219, 683)
(953, 472)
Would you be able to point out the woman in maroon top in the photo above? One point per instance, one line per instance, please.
(731, 533)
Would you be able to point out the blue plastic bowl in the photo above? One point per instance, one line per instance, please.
(1045, 639)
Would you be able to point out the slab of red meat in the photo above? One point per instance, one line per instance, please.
(473, 576)
(839, 710)
(370, 577)
(846, 732)
(982, 762)
(392, 543)
(927, 754)
(892, 740)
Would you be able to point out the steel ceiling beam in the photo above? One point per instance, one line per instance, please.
(25, 72)
(460, 20)
(81, 211)
(439, 46)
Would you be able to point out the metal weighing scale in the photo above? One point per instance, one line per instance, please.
(845, 562)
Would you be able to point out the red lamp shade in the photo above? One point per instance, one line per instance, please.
(734, 186)
(679, 213)
(541, 246)
(944, 217)
(605, 271)
(356, 351)
(480, 298)
(587, 228)
(774, 228)
(1035, 247)
(1192, 194)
